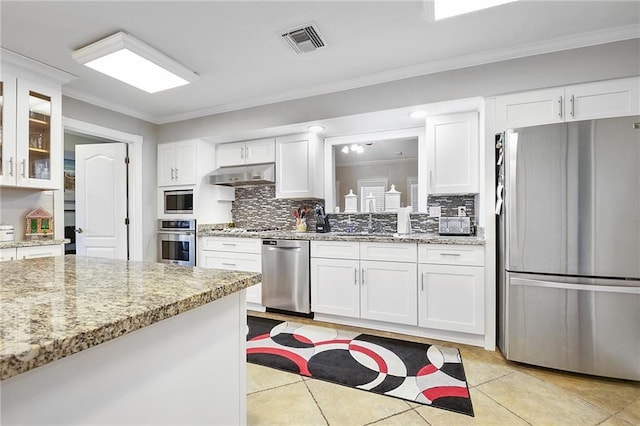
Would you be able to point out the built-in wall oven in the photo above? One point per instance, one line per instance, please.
(178, 201)
(177, 241)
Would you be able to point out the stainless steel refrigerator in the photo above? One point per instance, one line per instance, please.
(569, 246)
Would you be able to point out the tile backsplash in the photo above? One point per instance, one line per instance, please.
(257, 207)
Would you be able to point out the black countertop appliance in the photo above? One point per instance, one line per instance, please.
(322, 221)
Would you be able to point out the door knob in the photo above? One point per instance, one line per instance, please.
(79, 230)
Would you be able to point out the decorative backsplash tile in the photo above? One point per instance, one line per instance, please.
(257, 207)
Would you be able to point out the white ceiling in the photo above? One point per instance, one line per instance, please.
(236, 48)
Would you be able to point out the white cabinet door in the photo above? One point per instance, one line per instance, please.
(452, 153)
(299, 172)
(530, 108)
(603, 99)
(8, 156)
(452, 298)
(388, 292)
(260, 151)
(185, 163)
(177, 163)
(335, 287)
(230, 154)
(7, 254)
(38, 251)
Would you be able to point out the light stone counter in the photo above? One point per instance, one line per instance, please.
(32, 243)
(53, 307)
(419, 238)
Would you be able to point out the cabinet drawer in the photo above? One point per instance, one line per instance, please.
(451, 254)
(391, 252)
(232, 261)
(238, 245)
(33, 252)
(335, 249)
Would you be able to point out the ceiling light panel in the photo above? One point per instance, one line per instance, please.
(443, 9)
(131, 61)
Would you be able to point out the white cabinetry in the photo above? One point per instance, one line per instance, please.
(235, 254)
(177, 163)
(299, 172)
(452, 153)
(30, 252)
(358, 280)
(451, 293)
(241, 153)
(602, 99)
(31, 133)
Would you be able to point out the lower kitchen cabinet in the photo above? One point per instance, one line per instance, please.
(367, 289)
(234, 254)
(31, 252)
(451, 288)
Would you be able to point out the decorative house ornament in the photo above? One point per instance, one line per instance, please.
(351, 202)
(39, 222)
(392, 199)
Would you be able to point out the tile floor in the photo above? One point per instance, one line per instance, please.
(502, 392)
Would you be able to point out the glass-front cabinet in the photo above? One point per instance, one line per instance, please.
(32, 147)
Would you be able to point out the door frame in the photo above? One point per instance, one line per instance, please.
(134, 143)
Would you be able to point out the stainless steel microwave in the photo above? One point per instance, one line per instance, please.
(178, 201)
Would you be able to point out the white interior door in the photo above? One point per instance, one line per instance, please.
(101, 200)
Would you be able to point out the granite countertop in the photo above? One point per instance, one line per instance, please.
(55, 306)
(32, 243)
(420, 238)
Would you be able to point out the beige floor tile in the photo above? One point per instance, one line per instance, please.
(342, 405)
(616, 420)
(481, 366)
(609, 394)
(632, 413)
(541, 403)
(286, 405)
(486, 410)
(407, 418)
(260, 378)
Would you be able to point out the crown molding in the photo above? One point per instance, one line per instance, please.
(28, 66)
(83, 96)
(592, 38)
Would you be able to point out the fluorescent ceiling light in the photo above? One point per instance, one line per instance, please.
(447, 8)
(129, 60)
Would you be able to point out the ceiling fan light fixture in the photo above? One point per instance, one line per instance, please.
(131, 61)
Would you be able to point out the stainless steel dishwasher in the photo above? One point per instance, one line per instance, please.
(285, 275)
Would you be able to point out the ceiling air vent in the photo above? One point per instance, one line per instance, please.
(304, 39)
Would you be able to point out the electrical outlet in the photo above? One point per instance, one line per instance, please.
(435, 211)
(462, 211)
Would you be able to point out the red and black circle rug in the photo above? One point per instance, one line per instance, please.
(421, 373)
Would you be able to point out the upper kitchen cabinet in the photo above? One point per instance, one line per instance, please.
(299, 172)
(31, 131)
(452, 153)
(602, 99)
(241, 153)
(177, 163)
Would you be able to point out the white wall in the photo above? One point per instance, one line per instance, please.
(613, 60)
(72, 108)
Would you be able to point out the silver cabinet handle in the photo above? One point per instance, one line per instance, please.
(176, 173)
(451, 254)
(24, 167)
(241, 152)
(560, 105)
(431, 179)
(572, 103)
(172, 177)
(229, 244)
(355, 276)
(362, 276)
(422, 281)
(228, 264)
(11, 168)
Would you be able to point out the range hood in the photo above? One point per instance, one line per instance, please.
(254, 174)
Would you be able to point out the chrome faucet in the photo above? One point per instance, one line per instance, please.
(370, 227)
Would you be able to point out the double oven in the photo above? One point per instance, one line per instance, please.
(177, 241)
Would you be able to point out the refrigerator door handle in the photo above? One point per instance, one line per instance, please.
(510, 200)
(570, 286)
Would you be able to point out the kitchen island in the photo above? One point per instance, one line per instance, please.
(100, 341)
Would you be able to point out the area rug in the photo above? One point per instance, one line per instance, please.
(421, 373)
